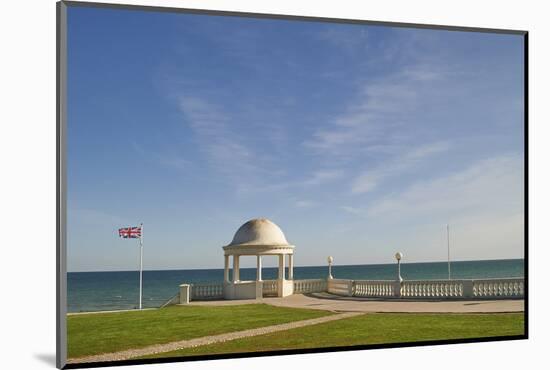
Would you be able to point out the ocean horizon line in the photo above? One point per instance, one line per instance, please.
(325, 265)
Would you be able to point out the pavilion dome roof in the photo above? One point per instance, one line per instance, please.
(259, 232)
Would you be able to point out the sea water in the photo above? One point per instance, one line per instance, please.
(118, 290)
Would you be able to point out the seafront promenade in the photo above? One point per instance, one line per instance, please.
(331, 302)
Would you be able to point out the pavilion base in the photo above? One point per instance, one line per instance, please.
(243, 290)
(285, 288)
(254, 289)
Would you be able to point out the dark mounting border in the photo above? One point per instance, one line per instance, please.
(290, 352)
(61, 185)
(287, 17)
(61, 101)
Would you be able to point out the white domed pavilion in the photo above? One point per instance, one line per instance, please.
(258, 237)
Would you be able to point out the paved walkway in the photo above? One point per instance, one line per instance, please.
(173, 346)
(330, 302)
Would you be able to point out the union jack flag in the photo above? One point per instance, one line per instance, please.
(130, 232)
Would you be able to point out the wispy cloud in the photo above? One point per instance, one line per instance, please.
(350, 39)
(485, 186)
(94, 217)
(482, 202)
(315, 179)
(399, 164)
(223, 148)
(377, 116)
(426, 71)
(322, 176)
(178, 163)
(175, 161)
(353, 210)
(233, 141)
(305, 203)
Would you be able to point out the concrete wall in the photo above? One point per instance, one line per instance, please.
(240, 290)
(285, 288)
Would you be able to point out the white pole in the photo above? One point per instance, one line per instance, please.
(448, 253)
(399, 270)
(140, 266)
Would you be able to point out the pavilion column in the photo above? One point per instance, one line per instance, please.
(281, 267)
(226, 269)
(290, 267)
(259, 268)
(236, 274)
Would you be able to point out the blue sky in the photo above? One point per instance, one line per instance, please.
(357, 140)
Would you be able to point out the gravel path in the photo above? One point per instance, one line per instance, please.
(173, 346)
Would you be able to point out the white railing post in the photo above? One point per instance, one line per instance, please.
(397, 289)
(185, 293)
(351, 286)
(468, 288)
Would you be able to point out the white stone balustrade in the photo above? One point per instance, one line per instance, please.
(269, 287)
(408, 289)
(206, 291)
(432, 289)
(374, 288)
(340, 287)
(426, 289)
(310, 286)
(494, 288)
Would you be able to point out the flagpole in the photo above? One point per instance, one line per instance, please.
(448, 253)
(140, 265)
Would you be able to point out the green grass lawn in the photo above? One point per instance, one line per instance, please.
(91, 334)
(371, 329)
